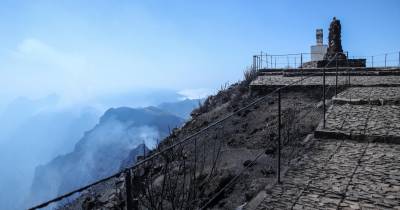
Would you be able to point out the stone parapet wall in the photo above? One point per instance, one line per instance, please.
(341, 63)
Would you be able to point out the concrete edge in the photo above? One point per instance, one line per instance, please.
(325, 134)
(378, 102)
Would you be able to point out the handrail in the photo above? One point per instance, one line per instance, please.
(156, 154)
(294, 60)
(252, 162)
(166, 149)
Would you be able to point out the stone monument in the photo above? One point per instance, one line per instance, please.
(318, 51)
(335, 41)
(334, 48)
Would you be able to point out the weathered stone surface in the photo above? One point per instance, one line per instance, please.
(369, 95)
(343, 174)
(278, 80)
(384, 121)
(364, 113)
(357, 176)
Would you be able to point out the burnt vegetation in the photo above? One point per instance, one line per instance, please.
(218, 168)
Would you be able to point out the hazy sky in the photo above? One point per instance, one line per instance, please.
(80, 49)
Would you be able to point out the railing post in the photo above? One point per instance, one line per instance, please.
(385, 59)
(399, 59)
(254, 62)
(271, 63)
(336, 80)
(323, 88)
(266, 59)
(258, 62)
(279, 135)
(261, 59)
(372, 61)
(288, 62)
(301, 60)
(128, 190)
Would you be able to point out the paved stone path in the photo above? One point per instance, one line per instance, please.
(368, 95)
(266, 80)
(369, 121)
(339, 173)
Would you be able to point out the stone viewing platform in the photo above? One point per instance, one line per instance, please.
(352, 159)
(344, 62)
(267, 82)
(340, 174)
(369, 95)
(361, 71)
(352, 163)
(365, 114)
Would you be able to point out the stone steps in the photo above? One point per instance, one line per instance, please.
(332, 71)
(340, 174)
(358, 81)
(364, 114)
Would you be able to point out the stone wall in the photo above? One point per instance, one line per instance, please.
(341, 63)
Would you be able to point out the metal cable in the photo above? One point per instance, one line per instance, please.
(269, 95)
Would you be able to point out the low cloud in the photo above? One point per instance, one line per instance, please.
(196, 93)
(36, 69)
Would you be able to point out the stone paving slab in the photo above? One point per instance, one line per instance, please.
(314, 199)
(297, 178)
(344, 121)
(362, 122)
(278, 80)
(377, 180)
(311, 163)
(384, 121)
(336, 173)
(369, 95)
(368, 173)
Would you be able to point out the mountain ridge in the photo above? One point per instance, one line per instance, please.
(101, 151)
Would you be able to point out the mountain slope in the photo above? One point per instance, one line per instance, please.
(101, 150)
(197, 173)
(181, 108)
(34, 132)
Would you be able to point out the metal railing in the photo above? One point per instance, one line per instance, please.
(171, 176)
(287, 123)
(297, 60)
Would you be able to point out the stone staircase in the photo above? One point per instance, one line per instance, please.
(365, 114)
(353, 163)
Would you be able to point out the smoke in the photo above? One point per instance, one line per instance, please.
(100, 153)
(35, 131)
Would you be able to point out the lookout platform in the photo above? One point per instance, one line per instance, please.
(354, 161)
(271, 79)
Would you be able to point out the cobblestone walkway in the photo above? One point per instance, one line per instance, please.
(369, 95)
(339, 173)
(369, 121)
(264, 80)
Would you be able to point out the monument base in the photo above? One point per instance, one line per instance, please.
(341, 63)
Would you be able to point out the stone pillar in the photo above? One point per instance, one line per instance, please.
(335, 41)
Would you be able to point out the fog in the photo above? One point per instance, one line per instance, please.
(34, 131)
(99, 154)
